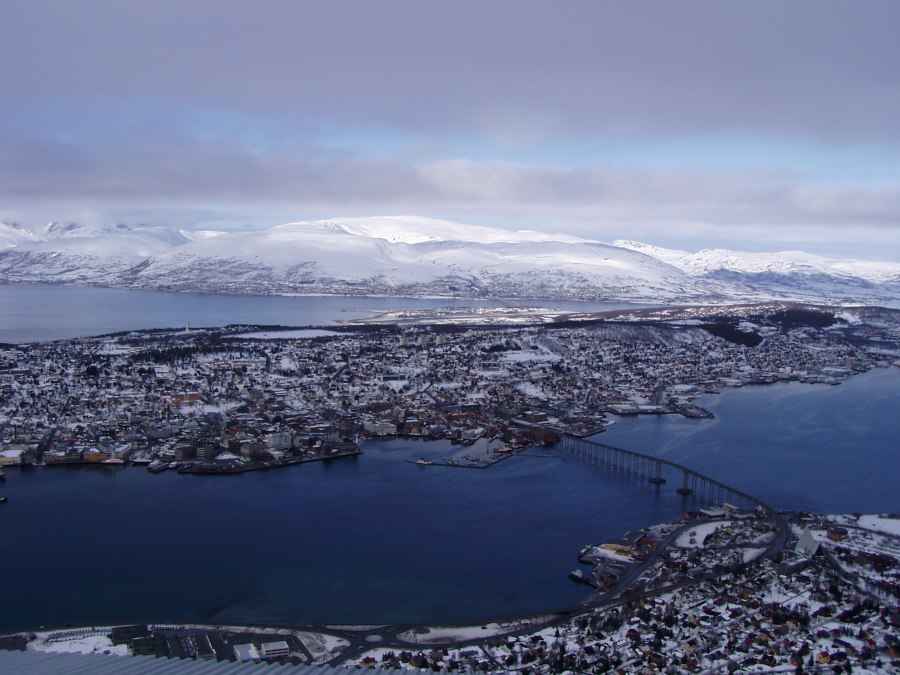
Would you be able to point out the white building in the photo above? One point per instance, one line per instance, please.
(275, 650)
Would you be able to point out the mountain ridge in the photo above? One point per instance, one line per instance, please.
(416, 256)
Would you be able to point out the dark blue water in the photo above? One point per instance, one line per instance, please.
(366, 540)
(378, 540)
(33, 312)
(796, 446)
(375, 539)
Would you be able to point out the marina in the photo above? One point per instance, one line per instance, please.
(468, 461)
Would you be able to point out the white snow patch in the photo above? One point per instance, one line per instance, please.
(880, 524)
(748, 555)
(88, 644)
(522, 357)
(287, 334)
(696, 536)
(461, 633)
(530, 389)
(322, 644)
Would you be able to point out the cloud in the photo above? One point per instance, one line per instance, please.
(487, 110)
(188, 171)
(467, 67)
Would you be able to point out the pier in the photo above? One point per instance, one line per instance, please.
(469, 461)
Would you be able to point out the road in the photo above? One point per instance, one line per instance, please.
(364, 639)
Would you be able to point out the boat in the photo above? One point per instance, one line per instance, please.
(157, 465)
(2, 499)
(213, 468)
(423, 462)
(579, 576)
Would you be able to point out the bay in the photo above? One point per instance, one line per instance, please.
(376, 539)
(369, 540)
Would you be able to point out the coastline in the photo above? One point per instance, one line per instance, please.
(504, 642)
(739, 394)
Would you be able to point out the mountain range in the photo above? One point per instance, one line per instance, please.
(413, 256)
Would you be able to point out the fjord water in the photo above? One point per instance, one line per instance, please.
(376, 539)
(371, 540)
(822, 448)
(35, 312)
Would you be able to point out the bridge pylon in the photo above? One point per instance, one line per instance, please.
(684, 490)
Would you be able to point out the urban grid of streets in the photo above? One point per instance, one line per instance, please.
(720, 592)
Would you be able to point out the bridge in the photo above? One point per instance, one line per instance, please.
(658, 471)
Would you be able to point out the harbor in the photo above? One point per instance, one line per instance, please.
(200, 396)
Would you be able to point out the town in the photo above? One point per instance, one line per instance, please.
(725, 587)
(238, 398)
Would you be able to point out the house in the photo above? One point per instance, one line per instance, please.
(626, 544)
(837, 533)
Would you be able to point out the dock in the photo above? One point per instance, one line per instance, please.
(213, 468)
(468, 461)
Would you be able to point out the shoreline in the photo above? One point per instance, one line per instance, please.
(768, 382)
(417, 645)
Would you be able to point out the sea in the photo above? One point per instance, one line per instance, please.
(41, 312)
(378, 539)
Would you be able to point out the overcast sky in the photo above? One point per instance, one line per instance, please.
(754, 125)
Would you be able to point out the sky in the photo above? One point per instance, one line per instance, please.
(750, 125)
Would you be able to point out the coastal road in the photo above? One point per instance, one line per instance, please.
(389, 637)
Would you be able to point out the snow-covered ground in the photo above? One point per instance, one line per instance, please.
(80, 644)
(322, 645)
(287, 334)
(443, 634)
(696, 536)
(880, 524)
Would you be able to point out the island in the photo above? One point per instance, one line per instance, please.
(226, 400)
(732, 585)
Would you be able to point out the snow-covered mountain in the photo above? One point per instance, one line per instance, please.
(417, 230)
(71, 253)
(418, 256)
(13, 235)
(785, 274)
(710, 261)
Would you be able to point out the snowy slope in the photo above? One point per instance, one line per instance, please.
(12, 235)
(787, 274)
(412, 257)
(72, 254)
(710, 261)
(283, 259)
(668, 255)
(408, 255)
(417, 230)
